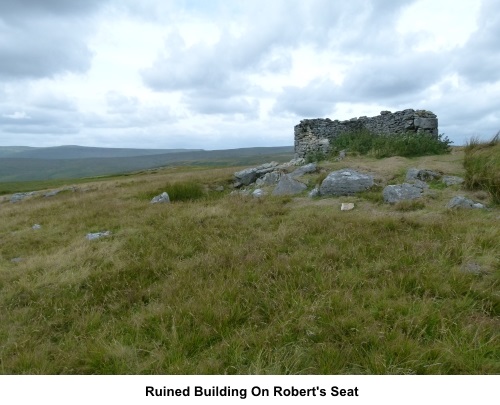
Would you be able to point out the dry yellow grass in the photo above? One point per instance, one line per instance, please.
(232, 284)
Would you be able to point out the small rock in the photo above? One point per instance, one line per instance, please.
(97, 235)
(219, 188)
(472, 268)
(463, 202)
(341, 156)
(52, 193)
(36, 226)
(294, 162)
(21, 196)
(162, 198)
(258, 192)
(452, 180)
(346, 206)
(314, 192)
(16, 260)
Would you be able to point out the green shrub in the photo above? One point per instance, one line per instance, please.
(386, 145)
(182, 191)
(482, 166)
(316, 156)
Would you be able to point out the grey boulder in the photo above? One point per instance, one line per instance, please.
(462, 202)
(269, 179)
(422, 174)
(248, 176)
(287, 186)
(300, 171)
(345, 182)
(399, 192)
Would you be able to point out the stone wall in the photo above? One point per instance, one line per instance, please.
(314, 135)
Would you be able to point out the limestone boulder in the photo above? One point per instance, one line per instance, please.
(248, 176)
(162, 198)
(269, 179)
(462, 202)
(345, 182)
(289, 186)
(400, 192)
(422, 175)
(300, 171)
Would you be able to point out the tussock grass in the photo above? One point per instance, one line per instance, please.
(482, 165)
(237, 285)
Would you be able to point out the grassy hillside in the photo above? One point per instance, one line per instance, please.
(81, 152)
(231, 284)
(23, 169)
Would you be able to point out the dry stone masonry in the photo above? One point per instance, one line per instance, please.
(314, 135)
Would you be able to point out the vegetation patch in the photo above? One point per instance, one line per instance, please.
(482, 166)
(365, 142)
(409, 205)
(180, 191)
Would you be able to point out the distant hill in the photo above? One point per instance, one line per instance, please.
(10, 151)
(26, 169)
(80, 152)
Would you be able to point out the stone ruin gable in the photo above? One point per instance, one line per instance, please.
(314, 135)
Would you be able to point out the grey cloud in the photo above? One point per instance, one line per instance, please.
(382, 79)
(263, 47)
(479, 59)
(52, 101)
(32, 120)
(232, 105)
(45, 38)
(23, 8)
(316, 99)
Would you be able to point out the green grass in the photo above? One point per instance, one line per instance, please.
(482, 165)
(381, 146)
(237, 285)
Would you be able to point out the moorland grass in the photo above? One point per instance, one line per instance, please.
(482, 166)
(237, 285)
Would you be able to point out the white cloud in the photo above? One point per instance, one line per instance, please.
(237, 73)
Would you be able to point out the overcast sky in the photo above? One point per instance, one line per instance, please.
(235, 73)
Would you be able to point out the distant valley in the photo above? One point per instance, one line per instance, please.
(21, 163)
